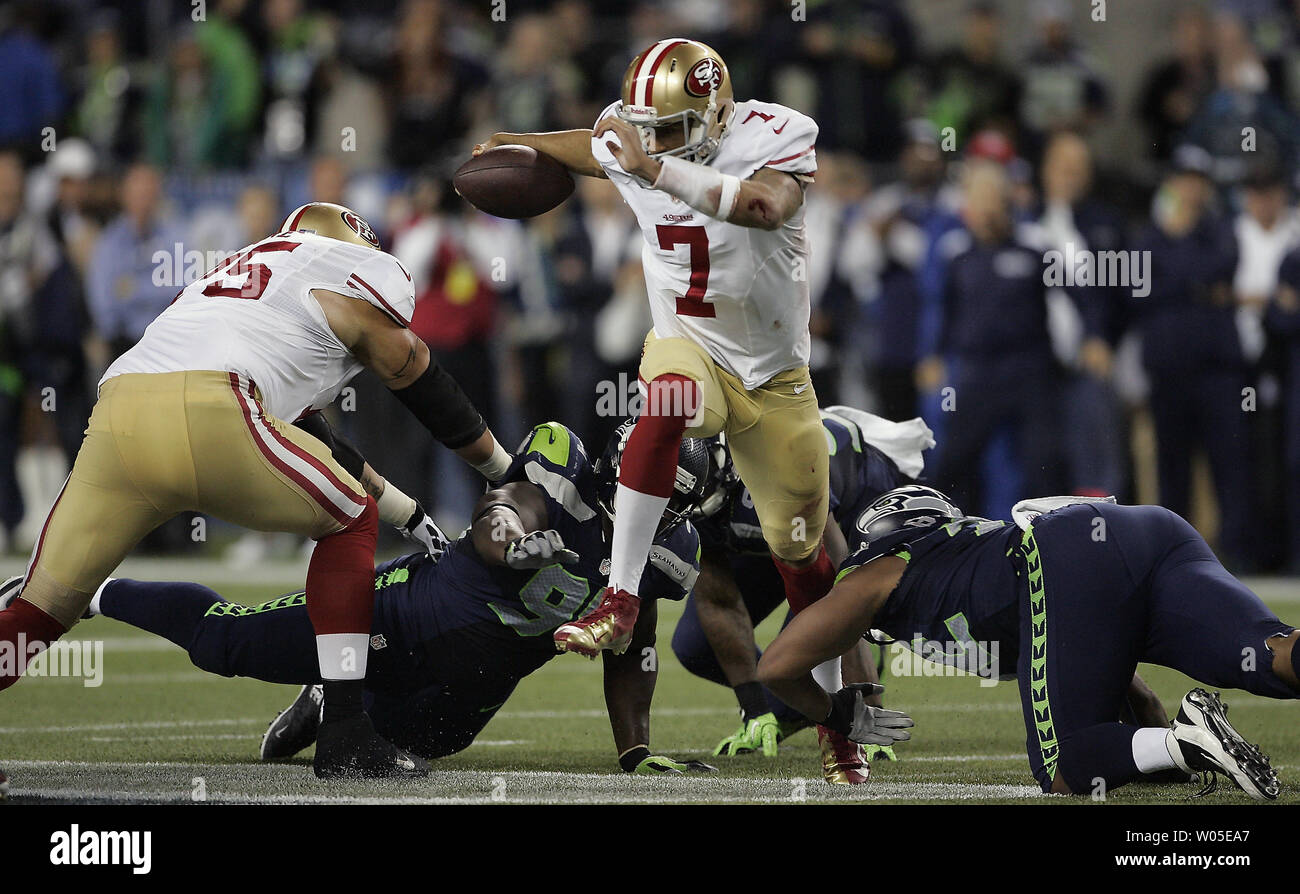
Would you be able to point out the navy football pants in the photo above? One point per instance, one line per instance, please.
(432, 701)
(1106, 587)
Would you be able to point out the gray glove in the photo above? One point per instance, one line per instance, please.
(866, 724)
(537, 550)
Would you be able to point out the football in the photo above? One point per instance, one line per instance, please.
(513, 181)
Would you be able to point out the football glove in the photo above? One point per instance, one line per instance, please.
(864, 723)
(421, 529)
(658, 763)
(538, 549)
(759, 733)
(879, 752)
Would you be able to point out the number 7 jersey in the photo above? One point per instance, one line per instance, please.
(254, 315)
(741, 293)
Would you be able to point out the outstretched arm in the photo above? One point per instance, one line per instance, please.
(571, 148)
(828, 627)
(396, 508)
(403, 363)
(765, 201)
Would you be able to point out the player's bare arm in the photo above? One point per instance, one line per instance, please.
(765, 201)
(503, 515)
(395, 507)
(829, 627)
(571, 148)
(630, 679)
(856, 665)
(630, 685)
(403, 363)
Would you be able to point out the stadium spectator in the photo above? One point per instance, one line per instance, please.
(1070, 221)
(34, 95)
(1191, 351)
(533, 84)
(1241, 124)
(1174, 89)
(28, 256)
(434, 89)
(844, 186)
(598, 248)
(201, 107)
(111, 93)
(1062, 88)
(994, 350)
(857, 51)
(130, 280)
(297, 42)
(967, 87)
(897, 217)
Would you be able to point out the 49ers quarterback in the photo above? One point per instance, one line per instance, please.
(193, 418)
(717, 187)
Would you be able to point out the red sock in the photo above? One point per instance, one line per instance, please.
(649, 462)
(341, 576)
(21, 625)
(804, 586)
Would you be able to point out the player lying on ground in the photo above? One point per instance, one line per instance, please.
(1072, 603)
(195, 417)
(739, 586)
(717, 187)
(452, 637)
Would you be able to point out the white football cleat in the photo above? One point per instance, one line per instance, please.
(1208, 744)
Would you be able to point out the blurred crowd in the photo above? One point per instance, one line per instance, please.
(138, 146)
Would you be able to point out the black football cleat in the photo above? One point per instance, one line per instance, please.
(294, 728)
(1209, 745)
(351, 749)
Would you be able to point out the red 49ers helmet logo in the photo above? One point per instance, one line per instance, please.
(704, 77)
(361, 228)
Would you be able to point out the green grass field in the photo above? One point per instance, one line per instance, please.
(159, 730)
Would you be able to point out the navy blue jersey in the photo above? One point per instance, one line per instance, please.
(461, 590)
(858, 474)
(958, 593)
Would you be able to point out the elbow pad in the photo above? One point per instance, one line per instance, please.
(442, 407)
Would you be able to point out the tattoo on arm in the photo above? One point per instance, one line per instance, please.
(410, 359)
(372, 482)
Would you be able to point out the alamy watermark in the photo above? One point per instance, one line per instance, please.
(1077, 266)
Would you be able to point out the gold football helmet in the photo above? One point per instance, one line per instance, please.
(334, 221)
(678, 81)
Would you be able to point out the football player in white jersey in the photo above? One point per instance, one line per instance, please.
(197, 417)
(717, 187)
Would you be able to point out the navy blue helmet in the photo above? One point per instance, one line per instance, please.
(695, 471)
(911, 506)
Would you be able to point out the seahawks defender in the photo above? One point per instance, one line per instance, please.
(739, 586)
(1073, 602)
(453, 636)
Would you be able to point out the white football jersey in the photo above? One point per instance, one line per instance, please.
(254, 314)
(741, 293)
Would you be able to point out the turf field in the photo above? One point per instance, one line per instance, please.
(159, 730)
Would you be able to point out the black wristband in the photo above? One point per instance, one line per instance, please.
(840, 719)
(631, 759)
(753, 701)
(417, 516)
(442, 407)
